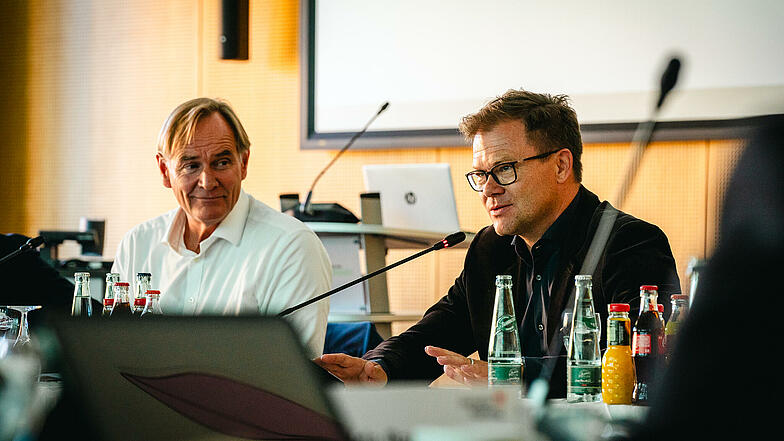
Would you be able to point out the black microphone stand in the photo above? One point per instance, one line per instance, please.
(305, 211)
(31, 244)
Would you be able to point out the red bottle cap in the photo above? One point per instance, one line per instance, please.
(152, 291)
(679, 297)
(649, 288)
(660, 306)
(618, 307)
(140, 301)
(108, 302)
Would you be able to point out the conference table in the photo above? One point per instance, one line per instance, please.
(425, 412)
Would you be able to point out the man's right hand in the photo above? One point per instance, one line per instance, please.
(352, 370)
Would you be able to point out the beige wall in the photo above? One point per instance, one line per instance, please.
(97, 78)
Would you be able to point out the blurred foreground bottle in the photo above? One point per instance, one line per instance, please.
(151, 307)
(647, 344)
(617, 363)
(122, 295)
(696, 266)
(504, 358)
(680, 310)
(584, 362)
(143, 283)
(82, 303)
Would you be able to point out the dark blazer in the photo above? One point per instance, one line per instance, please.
(637, 253)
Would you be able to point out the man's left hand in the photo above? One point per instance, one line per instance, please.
(464, 370)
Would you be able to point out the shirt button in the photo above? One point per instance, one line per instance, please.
(538, 277)
(541, 327)
(190, 300)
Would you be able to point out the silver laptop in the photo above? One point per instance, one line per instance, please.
(414, 196)
(195, 378)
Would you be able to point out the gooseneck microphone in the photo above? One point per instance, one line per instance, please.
(540, 387)
(31, 244)
(642, 136)
(449, 241)
(306, 207)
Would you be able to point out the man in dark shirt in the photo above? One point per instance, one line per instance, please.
(526, 154)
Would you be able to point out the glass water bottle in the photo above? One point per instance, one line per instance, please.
(82, 303)
(504, 358)
(584, 362)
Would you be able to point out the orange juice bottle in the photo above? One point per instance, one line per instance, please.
(617, 363)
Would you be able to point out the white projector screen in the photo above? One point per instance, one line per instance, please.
(436, 61)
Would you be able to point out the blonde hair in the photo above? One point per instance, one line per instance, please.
(177, 130)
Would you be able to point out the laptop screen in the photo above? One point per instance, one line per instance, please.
(195, 378)
(414, 196)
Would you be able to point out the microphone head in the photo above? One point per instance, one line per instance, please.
(668, 80)
(450, 241)
(34, 242)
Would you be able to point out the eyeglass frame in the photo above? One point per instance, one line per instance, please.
(512, 163)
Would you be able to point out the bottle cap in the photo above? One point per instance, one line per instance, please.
(108, 302)
(140, 301)
(649, 288)
(660, 307)
(121, 284)
(152, 291)
(679, 297)
(618, 307)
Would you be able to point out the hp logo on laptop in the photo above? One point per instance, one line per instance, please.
(410, 198)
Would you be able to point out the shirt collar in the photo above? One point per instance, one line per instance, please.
(230, 229)
(554, 236)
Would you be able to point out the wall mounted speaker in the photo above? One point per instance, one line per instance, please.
(234, 32)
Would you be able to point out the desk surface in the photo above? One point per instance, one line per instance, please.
(395, 237)
(416, 411)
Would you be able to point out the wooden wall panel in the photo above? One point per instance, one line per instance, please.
(14, 74)
(103, 77)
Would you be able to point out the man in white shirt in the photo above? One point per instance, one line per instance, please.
(223, 252)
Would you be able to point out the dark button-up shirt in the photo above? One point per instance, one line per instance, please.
(539, 269)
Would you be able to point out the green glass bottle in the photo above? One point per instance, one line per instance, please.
(505, 361)
(584, 362)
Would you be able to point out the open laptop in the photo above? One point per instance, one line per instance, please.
(414, 196)
(195, 378)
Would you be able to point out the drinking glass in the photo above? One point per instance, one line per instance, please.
(566, 328)
(23, 338)
(8, 331)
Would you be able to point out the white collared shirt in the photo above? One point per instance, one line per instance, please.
(257, 260)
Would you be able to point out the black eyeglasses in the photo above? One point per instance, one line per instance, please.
(504, 173)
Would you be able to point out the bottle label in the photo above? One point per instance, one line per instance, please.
(505, 323)
(642, 344)
(585, 379)
(617, 333)
(504, 373)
